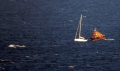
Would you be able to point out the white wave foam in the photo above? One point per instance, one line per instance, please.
(15, 46)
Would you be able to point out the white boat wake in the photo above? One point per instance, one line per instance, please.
(109, 39)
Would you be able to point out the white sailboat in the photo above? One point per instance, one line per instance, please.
(78, 37)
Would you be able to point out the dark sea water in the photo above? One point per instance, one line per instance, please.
(47, 28)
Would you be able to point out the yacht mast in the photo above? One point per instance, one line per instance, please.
(80, 24)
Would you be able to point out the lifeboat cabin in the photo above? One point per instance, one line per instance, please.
(97, 36)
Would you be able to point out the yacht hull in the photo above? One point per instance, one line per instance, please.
(80, 40)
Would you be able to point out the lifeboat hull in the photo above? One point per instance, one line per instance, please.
(97, 36)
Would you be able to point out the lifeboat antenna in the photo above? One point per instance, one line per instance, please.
(95, 29)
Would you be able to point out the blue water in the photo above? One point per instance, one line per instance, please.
(47, 29)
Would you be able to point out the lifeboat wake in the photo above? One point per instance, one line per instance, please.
(109, 39)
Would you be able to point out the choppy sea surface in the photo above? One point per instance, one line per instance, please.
(42, 32)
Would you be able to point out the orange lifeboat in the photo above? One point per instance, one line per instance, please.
(97, 36)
